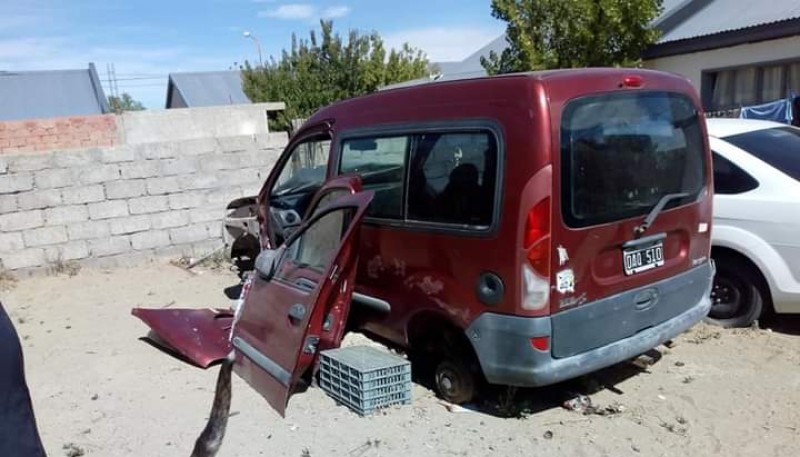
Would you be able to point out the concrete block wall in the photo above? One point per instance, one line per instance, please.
(124, 204)
(58, 133)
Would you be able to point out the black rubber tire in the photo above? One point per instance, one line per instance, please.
(455, 381)
(736, 296)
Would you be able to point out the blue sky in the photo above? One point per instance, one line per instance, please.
(147, 39)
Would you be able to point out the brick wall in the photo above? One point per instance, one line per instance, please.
(58, 133)
(126, 203)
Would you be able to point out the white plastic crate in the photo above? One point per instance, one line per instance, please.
(364, 378)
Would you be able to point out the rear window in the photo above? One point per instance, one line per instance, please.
(779, 147)
(622, 152)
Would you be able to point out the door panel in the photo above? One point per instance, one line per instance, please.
(277, 336)
(199, 336)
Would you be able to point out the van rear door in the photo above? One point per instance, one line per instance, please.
(634, 201)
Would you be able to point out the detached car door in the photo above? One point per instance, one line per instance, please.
(297, 304)
(299, 299)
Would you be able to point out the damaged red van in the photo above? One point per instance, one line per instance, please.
(523, 230)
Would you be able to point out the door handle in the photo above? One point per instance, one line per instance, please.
(297, 312)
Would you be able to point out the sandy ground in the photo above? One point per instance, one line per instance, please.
(97, 389)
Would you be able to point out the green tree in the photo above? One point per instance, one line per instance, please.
(319, 71)
(124, 103)
(546, 34)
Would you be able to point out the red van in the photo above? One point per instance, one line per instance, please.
(523, 229)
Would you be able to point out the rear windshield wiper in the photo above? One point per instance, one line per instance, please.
(653, 214)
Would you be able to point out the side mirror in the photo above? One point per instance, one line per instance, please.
(267, 262)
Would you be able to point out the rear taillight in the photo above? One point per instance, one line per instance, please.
(536, 242)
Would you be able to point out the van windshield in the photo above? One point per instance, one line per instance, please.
(622, 152)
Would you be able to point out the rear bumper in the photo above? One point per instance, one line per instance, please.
(502, 343)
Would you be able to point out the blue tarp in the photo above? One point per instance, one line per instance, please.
(777, 111)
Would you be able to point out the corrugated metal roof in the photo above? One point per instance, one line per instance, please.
(209, 88)
(718, 16)
(50, 93)
(471, 66)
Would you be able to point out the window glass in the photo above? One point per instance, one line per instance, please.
(316, 246)
(622, 152)
(745, 86)
(723, 90)
(772, 83)
(452, 178)
(779, 147)
(730, 179)
(381, 164)
(305, 169)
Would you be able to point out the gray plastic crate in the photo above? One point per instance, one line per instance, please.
(364, 378)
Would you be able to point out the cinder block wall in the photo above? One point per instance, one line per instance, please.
(124, 204)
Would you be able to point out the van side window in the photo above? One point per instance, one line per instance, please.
(452, 178)
(381, 164)
(305, 169)
(730, 179)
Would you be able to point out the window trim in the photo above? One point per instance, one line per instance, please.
(490, 126)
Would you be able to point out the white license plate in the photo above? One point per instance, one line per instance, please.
(643, 259)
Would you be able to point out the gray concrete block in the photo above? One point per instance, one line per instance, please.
(85, 194)
(21, 220)
(161, 186)
(71, 159)
(214, 229)
(187, 200)
(39, 199)
(179, 166)
(109, 246)
(139, 169)
(18, 182)
(198, 146)
(237, 143)
(125, 189)
(8, 203)
(175, 252)
(108, 209)
(160, 150)
(25, 258)
(251, 189)
(205, 215)
(170, 219)
(216, 162)
(145, 205)
(190, 234)
(3, 166)
(29, 162)
(205, 247)
(66, 214)
(128, 259)
(219, 198)
(260, 159)
(74, 250)
(57, 177)
(94, 174)
(118, 154)
(199, 181)
(11, 242)
(88, 230)
(128, 225)
(150, 240)
(45, 236)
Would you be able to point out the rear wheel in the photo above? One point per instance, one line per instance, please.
(736, 297)
(455, 381)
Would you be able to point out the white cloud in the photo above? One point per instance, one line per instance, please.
(335, 11)
(444, 44)
(305, 11)
(291, 11)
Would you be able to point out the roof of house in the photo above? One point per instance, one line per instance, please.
(698, 25)
(51, 93)
(471, 65)
(709, 17)
(208, 88)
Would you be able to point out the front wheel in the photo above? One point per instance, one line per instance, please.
(736, 299)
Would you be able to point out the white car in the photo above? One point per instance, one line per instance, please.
(756, 232)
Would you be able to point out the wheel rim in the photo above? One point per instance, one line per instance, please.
(727, 298)
(449, 382)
